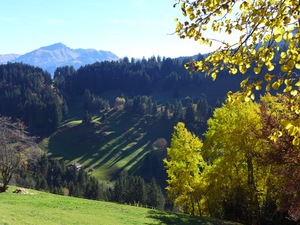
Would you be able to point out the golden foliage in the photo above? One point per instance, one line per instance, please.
(265, 29)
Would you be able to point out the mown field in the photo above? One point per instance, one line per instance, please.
(44, 208)
(110, 146)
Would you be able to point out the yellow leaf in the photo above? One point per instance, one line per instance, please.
(275, 85)
(283, 55)
(243, 69)
(255, 19)
(258, 85)
(288, 81)
(288, 125)
(257, 70)
(278, 38)
(296, 141)
(214, 76)
(243, 83)
(294, 92)
(244, 6)
(233, 70)
(247, 99)
(291, 64)
(294, 131)
(268, 77)
(267, 37)
(287, 89)
(288, 36)
(278, 30)
(189, 10)
(192, 16)
(284, 68)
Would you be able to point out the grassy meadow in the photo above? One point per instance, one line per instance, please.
(44, 208)
(110, 146)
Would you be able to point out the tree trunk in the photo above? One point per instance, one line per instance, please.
(253, 193)
(193, 206)
(199, 208)
(6, 177)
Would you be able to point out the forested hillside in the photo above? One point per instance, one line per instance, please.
(125, 108)
(106, 104)
(30, 94)
(27, 93)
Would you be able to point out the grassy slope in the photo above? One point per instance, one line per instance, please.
(118, 143)
(43, 208)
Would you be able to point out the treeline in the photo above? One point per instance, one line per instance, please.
(134, 190)
(54, 176)
(135, 77)
(187, 109)
(27, 93)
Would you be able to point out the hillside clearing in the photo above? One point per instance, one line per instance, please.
(118, 143)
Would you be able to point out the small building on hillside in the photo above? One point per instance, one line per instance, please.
(76, 165)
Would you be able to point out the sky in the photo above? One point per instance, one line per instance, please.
(128, 28)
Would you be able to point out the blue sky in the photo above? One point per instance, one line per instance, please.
(132, 28)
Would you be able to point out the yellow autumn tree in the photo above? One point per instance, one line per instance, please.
(238, 180)
(268, 38)
(183, 165)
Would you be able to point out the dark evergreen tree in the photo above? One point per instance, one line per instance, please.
(179, 111)
(155, 196)
(202, 108)
(190, 115)
(154, 110)
(87, 117)
(136, 191)
(121, 188)
(72, 189)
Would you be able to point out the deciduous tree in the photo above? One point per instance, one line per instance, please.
(233, 148)
(281, 153)
(184, 165)
(265, 29)
(15, 148)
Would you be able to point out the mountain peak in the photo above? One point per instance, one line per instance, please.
(54, 47)
(56, 55)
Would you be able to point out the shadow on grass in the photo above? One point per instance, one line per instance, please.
(168, 218)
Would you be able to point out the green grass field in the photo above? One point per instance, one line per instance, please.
(44, 208)
(120, 142)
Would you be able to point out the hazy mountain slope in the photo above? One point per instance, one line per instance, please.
(8, 57)
(52, 56)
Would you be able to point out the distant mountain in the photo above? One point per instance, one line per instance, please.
(8, 57)
(56, 55)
